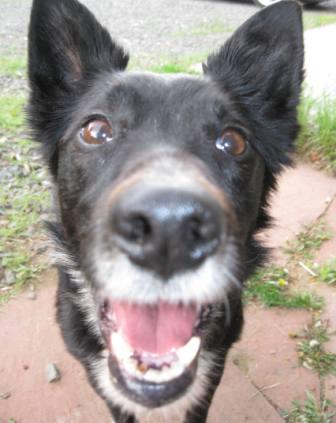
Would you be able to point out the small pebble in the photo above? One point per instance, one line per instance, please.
(31, 295)
(9, 277)
(5, 395)
(53, 373)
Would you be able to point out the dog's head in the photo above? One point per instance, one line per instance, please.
(162, 182)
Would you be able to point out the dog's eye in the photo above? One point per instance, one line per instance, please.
(97, 131)
(232, 142)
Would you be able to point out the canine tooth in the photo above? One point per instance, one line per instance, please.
(188, 352)
(120, 347)
(131, 367)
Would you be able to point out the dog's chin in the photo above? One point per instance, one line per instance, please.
(153, 349)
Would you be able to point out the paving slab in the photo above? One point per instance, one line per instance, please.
(329, 316)
(328, 249)
(267, 353)
(32, 340)
(238, 401)
(302, 197)
(264, 360)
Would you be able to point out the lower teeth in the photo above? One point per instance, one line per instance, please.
(152, 368)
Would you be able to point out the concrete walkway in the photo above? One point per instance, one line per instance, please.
(262, 375)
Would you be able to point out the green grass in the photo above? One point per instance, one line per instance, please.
(270, 287)
(179, 65)
(308, 241)
(311, 411)
(317, 140)
(11, 113)
(14, 66)
(312, 354)
(23, 199)
(171, 68)
(315, 20)
(327, 272)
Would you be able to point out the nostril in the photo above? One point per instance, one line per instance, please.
(203, 236)
(200, 230)
(134, 228)
(194, 230)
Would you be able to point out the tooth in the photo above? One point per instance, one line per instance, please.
(120, 347)
(188, 352)
(143, 367)
(130, 366)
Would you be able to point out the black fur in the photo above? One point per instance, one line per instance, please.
(76, 71)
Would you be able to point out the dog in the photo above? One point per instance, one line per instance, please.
(162, 183)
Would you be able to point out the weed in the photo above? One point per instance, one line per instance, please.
(312, 354)
(311, 411)
(327, 272)
(308, 241)
(270, 286)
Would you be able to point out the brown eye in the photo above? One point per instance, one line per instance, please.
(96, 132)
(232, 142)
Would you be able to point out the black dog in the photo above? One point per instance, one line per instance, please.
(162, 183)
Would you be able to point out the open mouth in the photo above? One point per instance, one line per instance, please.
(153, 349)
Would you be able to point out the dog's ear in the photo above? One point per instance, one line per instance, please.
(67, 45)
(264, 57)
(261, 67)
(67, 48)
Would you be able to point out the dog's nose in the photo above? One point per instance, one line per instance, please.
(166, 230)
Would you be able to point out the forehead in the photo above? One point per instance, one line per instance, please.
(156, 94)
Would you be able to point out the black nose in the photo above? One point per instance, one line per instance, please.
(166, 230)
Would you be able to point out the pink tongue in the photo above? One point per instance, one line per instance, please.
(157, 328)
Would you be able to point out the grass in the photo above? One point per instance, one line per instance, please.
(312, 354)
(317, 140)
(172, 67)
(308, 241)
(327, 272)
(311, 411)
(23, 199)
(314, 20)
(11, 116)
(179, 65)
(271, 287)
(14, 66)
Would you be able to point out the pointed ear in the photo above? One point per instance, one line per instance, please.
(67, 45)
(262, 62)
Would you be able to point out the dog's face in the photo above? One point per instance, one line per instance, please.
(170, 190)
(162, 182)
